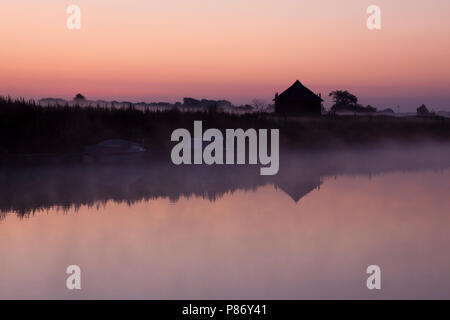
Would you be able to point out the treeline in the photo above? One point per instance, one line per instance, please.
(28, 128)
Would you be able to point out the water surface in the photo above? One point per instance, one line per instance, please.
(211, 234)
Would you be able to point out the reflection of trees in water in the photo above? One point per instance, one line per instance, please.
(26, 190)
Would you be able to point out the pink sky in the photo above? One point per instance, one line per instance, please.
(235, 49)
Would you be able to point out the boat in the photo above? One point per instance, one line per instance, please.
(113, 151)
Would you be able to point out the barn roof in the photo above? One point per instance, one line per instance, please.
(296, 91)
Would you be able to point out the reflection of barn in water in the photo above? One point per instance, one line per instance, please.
(297, 189)
(25, 190)
(28, 190)
(298, 178)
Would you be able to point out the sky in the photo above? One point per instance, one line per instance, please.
(238, 50)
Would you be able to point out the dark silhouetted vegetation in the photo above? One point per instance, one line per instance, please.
(27, 128)
(345, 101)
(423, 111)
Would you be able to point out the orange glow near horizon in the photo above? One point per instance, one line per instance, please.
(236, 50)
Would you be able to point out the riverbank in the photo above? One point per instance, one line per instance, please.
(28, 130)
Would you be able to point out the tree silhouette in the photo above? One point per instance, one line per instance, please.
(343, 99)
(423, 110)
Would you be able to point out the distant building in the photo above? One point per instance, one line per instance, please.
(79, 97)
(298, 99)
(423, 111)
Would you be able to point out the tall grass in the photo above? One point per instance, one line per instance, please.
(26, 127)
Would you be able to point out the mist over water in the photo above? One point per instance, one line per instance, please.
(155, 230)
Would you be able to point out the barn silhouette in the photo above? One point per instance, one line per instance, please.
(298, 99)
